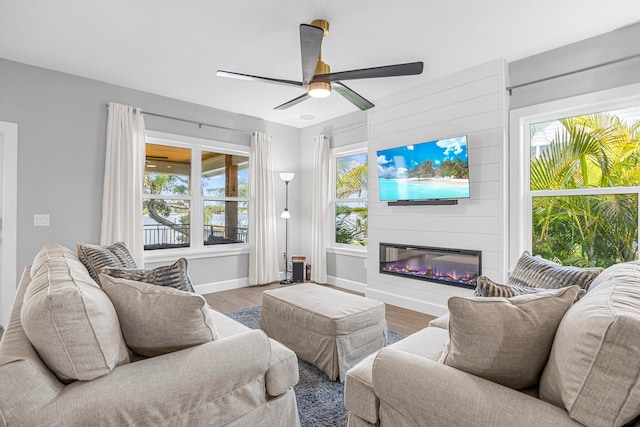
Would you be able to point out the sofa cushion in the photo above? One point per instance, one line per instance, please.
(69, 320)
(488, 288)
(157, 319)
(537, 272)
(594, 365)
(440, 322)
(359, 397)
(505, 340)
(95, 257)
(174, 275)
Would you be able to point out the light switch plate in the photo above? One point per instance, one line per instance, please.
(41, 220)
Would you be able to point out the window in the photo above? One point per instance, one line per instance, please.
(583, 185)
(225, 190)
(176, 216)
(350, 198)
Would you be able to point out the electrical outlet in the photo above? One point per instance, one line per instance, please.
(41, 220)
(365, 263)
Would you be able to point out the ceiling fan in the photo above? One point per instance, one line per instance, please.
(316, 76)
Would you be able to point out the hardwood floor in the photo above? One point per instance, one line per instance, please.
(398, 319)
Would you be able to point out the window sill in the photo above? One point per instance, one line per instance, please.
(166, 255)
(360, 252)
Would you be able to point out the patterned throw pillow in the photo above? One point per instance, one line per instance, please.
(537, 272)
(488, 288)
(95, 257)
(173, 276)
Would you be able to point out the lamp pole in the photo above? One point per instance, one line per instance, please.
(286, 177)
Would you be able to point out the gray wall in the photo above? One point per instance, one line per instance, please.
(596, 50)
(61, 144)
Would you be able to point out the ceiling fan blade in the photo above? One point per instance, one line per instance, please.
(231, 74)
(292, 102)
(310, 43)
(351, 96)
(408, 69)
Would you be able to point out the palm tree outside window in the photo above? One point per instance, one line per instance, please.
(351, 210)
(584, 183)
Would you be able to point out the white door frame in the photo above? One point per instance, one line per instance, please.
(8, 279)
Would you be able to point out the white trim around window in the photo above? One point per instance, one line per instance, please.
(332, 246)
(196, 145)
(520, 197)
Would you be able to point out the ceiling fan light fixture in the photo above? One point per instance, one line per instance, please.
(319, 89)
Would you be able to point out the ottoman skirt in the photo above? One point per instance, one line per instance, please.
(330, 329)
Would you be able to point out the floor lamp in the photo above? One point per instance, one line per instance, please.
(286, 177)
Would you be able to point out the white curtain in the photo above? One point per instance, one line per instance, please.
(263, 249)
(123, 180)
(320, 209)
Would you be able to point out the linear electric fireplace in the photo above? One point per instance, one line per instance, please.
(457, 267)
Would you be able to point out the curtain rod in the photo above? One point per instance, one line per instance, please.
(579, 70)
(200, 124)
(348, 130)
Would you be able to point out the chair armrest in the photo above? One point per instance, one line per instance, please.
(283, 370)
(217, 381)
(417, 391)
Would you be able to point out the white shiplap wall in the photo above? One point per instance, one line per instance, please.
(472, 102)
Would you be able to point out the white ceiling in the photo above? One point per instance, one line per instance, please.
(173, 48)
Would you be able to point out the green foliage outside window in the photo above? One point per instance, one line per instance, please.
(351, 213)
(592, 151)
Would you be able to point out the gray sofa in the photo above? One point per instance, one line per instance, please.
(239, 378)
(590, 376)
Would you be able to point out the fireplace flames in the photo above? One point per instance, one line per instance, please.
(431, 272)
(455, 267)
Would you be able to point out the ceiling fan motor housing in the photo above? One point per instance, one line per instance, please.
(318, 88)
(321, 23)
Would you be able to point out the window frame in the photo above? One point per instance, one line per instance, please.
(521, 195)
(197, 248)
(333, 246)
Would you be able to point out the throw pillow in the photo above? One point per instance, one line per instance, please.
(173, 276)
(96, 257)
(505, 340)
(537, 272)
(157, 319)
(488, 288)
(69, 320)
(594, 369)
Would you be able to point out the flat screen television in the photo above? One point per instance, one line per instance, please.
(434, 170)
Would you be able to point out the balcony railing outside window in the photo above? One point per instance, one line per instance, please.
(158, 236)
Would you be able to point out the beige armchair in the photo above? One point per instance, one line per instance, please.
(242, 378)
(590, 377)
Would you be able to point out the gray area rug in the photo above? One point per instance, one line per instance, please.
(320, 401)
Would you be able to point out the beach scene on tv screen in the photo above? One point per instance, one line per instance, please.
(429, 170)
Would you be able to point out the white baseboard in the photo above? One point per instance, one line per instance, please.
(347, 284)
(408, 303)
(208, 288)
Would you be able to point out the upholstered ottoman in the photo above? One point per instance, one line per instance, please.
(330, 329)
